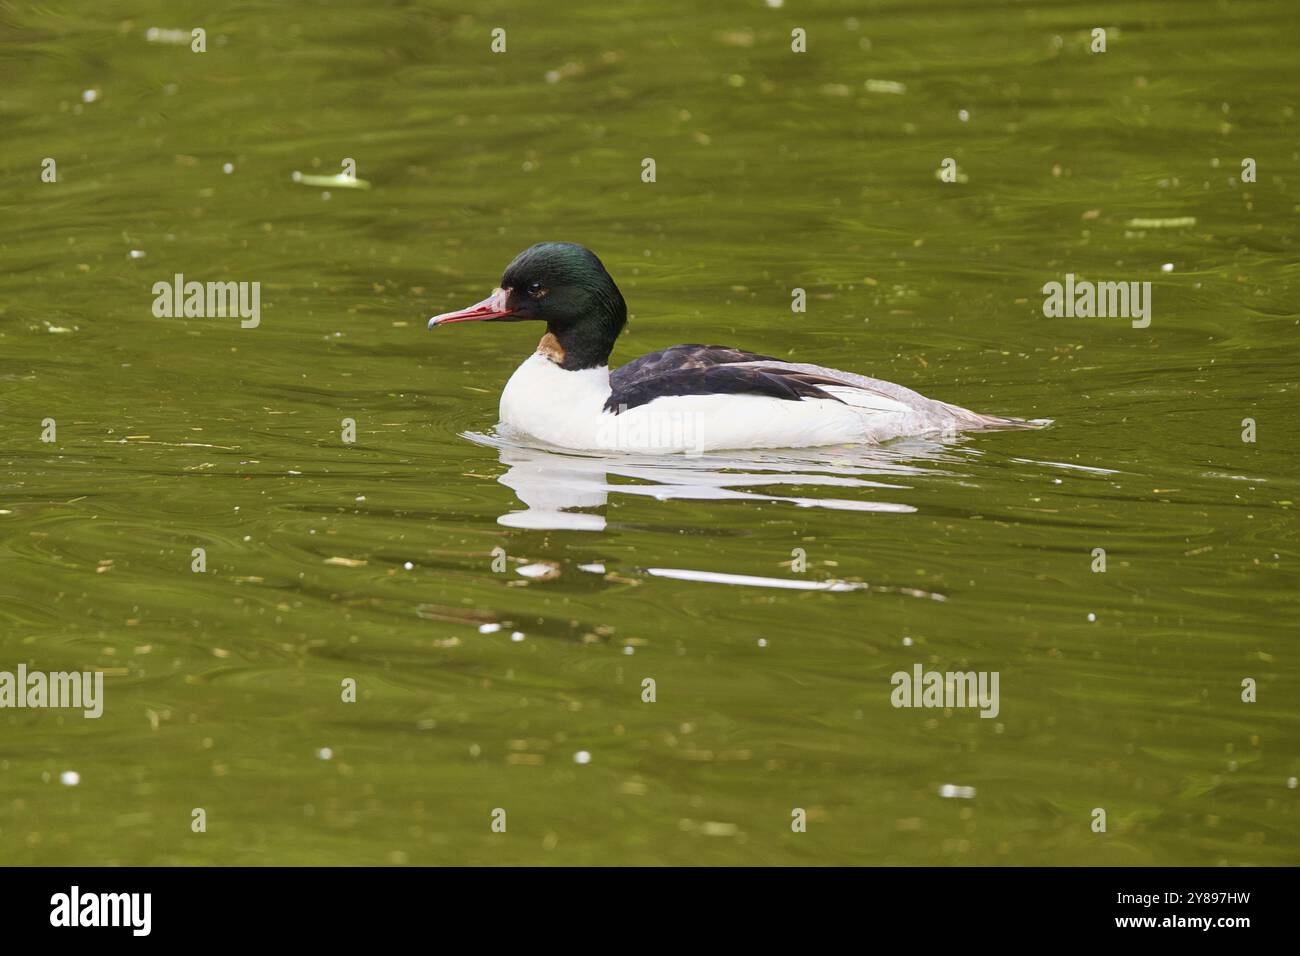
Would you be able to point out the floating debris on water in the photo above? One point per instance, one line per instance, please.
(161, 35)
(339, 180)
(952, 791)
(884, 86)
(749, 580)
(1174, 222)
(715, 828)
(540, 570)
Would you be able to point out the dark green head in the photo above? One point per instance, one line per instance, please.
(565, 286)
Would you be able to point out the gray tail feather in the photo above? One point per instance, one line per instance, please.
(975, 420)
(998, 421)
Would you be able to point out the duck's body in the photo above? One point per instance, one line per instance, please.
(685, 398)
(599, 410)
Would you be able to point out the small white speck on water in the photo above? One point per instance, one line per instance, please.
(963, 116)
(1056, 481)
(325, 195)
(137, 253)
(516, 636)
(227, 168)
(594, 568)
(762, 642)
(1290, 783)
(629, 650)
(475, 750)
(89, 96)
(248, 537)
(951, 791)
(1167, 267)
(361, 497)
(325, 753)
(907, 642)
(582, 756)
(1092, 616)
(69, 778)
(409, 566)
(489, 628)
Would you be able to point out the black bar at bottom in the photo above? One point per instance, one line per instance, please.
(332, 906)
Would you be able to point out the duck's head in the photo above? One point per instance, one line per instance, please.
(565, 286)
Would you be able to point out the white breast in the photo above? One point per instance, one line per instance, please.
(558, 406)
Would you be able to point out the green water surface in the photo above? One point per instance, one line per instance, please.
(775, 170)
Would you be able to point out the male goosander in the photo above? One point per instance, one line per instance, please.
(683, 398)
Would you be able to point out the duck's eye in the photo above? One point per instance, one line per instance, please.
(536, 290)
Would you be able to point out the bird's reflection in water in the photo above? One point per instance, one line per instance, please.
(559, 488)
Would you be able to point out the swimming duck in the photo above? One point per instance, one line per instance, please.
(687, 398)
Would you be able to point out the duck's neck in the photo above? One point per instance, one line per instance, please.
(572, 351)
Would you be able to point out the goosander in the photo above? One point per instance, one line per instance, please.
(687, 398)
